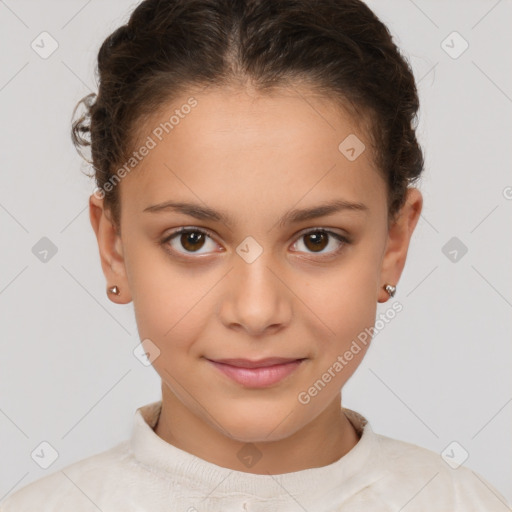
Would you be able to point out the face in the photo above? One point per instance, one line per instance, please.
(254, 276)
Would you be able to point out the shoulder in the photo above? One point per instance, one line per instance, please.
(426, 481)
(78, 486)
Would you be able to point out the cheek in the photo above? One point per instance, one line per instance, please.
(344, 306)
(352, 305)
(165, 296)
(169, 310)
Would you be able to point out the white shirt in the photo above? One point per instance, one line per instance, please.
(145, 473)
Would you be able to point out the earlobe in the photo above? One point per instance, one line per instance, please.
(111, 251)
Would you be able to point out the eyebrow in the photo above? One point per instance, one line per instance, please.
(292, 217)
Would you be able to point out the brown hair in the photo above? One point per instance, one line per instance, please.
(337, 47)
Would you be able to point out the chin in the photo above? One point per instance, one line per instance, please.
(257, 425)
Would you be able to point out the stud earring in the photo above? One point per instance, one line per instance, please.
(114, 290)
(390, 289)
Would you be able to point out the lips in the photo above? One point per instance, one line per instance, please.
(257, 374)
(248, 363)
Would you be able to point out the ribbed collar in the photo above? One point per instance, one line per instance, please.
(335, 482)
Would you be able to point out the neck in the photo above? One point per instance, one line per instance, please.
(323, 441)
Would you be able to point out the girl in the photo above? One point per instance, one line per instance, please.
(254, 162)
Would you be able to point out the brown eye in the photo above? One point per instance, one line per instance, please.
(315, 241)
(192, 240)
(188, 241)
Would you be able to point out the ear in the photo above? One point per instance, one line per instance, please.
(399, 237)
(111, 250)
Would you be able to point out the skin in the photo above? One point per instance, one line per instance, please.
(256, 157)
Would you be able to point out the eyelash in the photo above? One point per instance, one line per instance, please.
(345, 241)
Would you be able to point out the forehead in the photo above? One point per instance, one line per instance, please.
(226, 146)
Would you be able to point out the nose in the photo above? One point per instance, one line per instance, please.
(255, 298)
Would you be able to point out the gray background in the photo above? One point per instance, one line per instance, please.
(438, 373)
